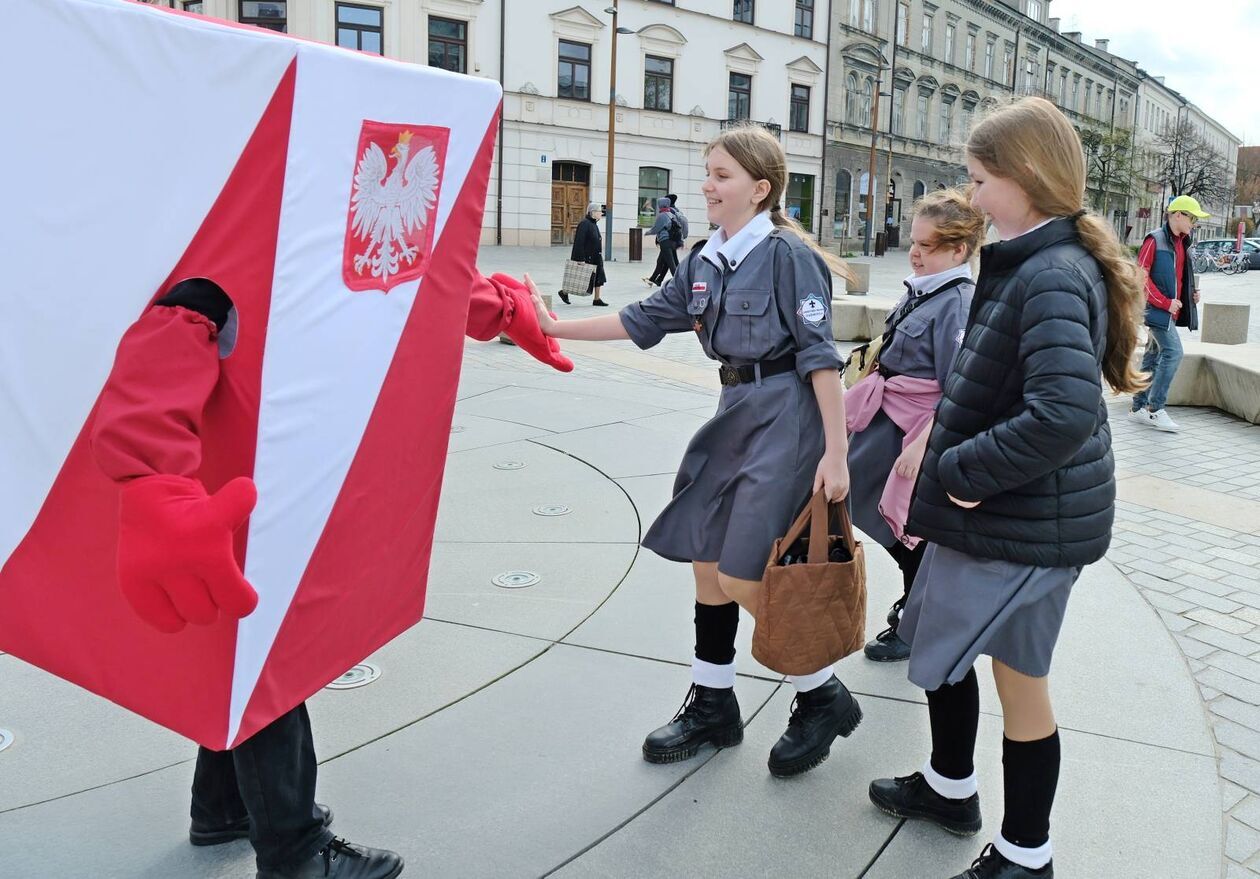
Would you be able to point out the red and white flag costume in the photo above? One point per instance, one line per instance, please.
(338, 198)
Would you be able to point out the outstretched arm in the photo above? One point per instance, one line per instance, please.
(501, 304)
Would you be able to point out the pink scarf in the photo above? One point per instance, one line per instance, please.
(910, 403)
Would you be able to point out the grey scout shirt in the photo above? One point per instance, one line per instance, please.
(759, 295)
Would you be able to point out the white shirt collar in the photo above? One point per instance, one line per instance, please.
(734, 249)
(917, 285)
(1044, 222)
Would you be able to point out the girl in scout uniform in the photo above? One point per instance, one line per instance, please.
(1017, 488)
(890, 411)
(758, 297)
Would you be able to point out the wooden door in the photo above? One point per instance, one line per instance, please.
(568, 203)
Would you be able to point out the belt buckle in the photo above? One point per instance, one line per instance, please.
(729, 375)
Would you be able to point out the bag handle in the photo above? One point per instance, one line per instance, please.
(815, 515)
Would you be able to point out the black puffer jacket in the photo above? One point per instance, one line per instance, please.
(1022, 426)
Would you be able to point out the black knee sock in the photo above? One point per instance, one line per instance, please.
(909, 561)
(716, 625)
(954, 710)
(1030, 775)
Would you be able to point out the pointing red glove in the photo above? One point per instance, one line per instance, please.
(175, 559)
(523, 328)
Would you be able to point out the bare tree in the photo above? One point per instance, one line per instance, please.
(1249, 175)
(1189, 165)
(1109, 157)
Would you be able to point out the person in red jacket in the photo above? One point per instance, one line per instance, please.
(177, 560)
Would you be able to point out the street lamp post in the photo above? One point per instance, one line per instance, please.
(612, 130)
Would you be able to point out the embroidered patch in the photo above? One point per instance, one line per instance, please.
(812, 310)
(699, 287)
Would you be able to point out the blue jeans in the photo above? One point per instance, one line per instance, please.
(1162, 357)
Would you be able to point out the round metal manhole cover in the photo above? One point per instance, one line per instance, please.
(6, 739)
(359, 676)
(510, 465)
(516, 579)
(553, 510)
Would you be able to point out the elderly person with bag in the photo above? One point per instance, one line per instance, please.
(588, 247)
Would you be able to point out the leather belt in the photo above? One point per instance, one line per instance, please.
(738, 375)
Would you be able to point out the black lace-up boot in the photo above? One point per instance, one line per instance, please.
(992, 864)
(818, 716)
(707, 715)
(338, 859)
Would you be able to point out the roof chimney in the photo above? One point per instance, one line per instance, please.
(1074, 36)
(1101, 45)
(1054, 24)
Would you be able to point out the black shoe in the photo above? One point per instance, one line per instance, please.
(200, 834)
(598, 302)
(912, 797)
(817, 718)
(707, 715)
(339, 859)
(894, 612)
(887, 647)
(564, 297)
(992, 864)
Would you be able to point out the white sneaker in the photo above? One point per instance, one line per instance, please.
(1141, 416)
(1161, 420)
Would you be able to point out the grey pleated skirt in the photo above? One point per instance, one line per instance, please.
(962, 606)
(743, 479)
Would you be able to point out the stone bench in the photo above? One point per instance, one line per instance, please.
(1226, 377)
(1226, 323)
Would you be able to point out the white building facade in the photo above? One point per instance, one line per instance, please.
(685, 68)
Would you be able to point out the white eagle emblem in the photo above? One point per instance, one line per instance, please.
(389, 207)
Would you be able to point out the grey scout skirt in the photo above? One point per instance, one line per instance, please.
(962, 606)
(744, 477)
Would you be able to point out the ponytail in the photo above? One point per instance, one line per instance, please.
(834, 263)
(1124, 302)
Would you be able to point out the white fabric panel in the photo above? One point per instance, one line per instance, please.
(112, 163)
(328, 348)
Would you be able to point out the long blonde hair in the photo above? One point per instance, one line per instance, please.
(1032, 144)
(759, 153)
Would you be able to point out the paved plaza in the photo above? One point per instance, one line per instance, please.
(502, 736)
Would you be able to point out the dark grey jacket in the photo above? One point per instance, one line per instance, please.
(1022, 426)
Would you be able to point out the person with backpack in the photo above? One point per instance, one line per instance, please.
(684, 229)
(662, 232)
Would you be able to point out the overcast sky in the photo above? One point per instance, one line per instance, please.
(1209, 50)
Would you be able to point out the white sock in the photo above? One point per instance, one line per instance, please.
(718, 677)
(950, 788)
(1032, 858)
(805, 683)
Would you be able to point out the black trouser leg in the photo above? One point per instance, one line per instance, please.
(671, 259)
(908, 560)
(954, 710)
(662, 265)
(716, 625)
(1030, 777)
(273, 773)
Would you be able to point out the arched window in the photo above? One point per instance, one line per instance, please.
(868, 93)
(919, 189)
(853, 99)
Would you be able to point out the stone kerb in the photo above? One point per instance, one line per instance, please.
(1225, 323)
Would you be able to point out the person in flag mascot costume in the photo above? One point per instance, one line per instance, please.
(222, 457)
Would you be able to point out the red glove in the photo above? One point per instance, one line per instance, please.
(523, 327)
(175, 558)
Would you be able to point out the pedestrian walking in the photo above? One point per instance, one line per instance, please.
(890, 411)
(1017, 488)
(758, 297)
(588, 247)
(1172, 297)
(684, 228)
(664, 234)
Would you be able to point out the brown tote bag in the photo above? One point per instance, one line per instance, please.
(812, 611)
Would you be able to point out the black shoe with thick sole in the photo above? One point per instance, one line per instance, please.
(338, 859)
(912, 797)
(564, 297)
(598, 302)
(817, 718)
(887, 647)
(992, 864)
(708, 716)
(200, 834)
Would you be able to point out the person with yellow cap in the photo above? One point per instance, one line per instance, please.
(1171, 300)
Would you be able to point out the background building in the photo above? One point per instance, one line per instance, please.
(802, 68)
